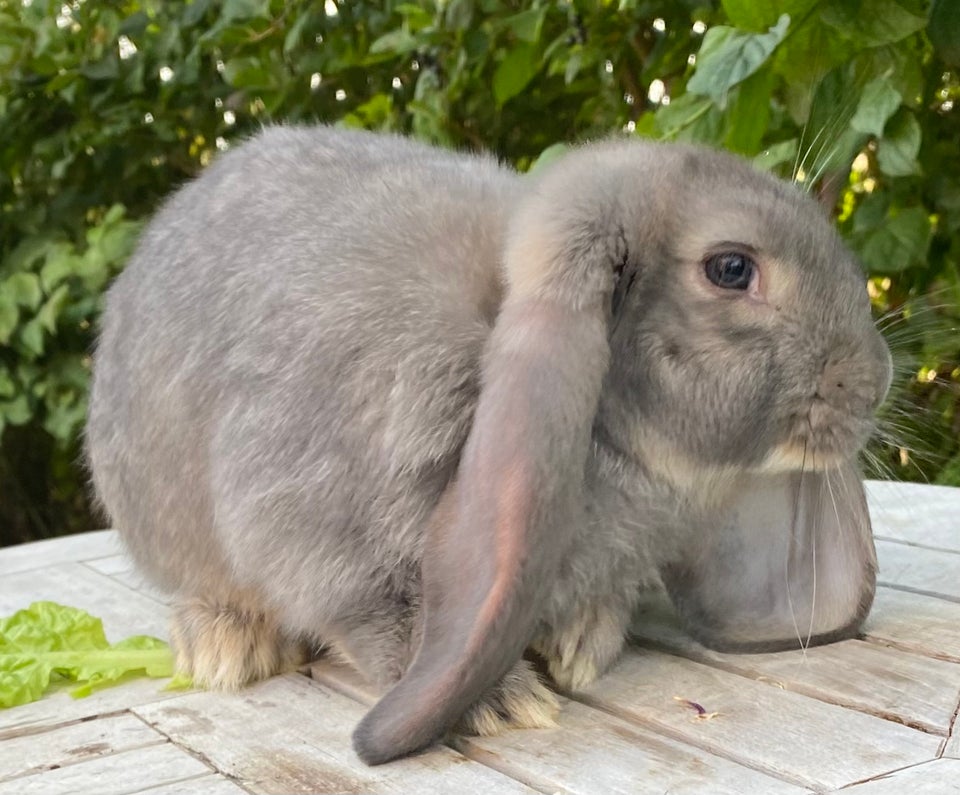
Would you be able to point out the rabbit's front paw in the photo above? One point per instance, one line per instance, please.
(518, 701)
(225, 646)
(582, 650)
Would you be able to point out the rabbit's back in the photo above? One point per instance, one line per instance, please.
(288, 365)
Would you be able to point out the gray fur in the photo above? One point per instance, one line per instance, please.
(290, 366)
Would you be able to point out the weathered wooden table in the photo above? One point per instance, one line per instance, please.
(881, 710)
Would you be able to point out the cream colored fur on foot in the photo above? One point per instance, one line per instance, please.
(519, 701)
(225, 646)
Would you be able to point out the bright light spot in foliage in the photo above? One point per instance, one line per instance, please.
(692, 59)
(341, 95)
(665, 100)
(608, 67)
(860, 163)
(397, 83)
(148, 118)
(229, 117)
(699, 28)
(659, 25)
(656, 91)
(630, 126)
(330, 8)
(221, 66)
(64, 18)
(222, 143)
(315, 80)
(166, 74)
(628, 98)
(126, 47)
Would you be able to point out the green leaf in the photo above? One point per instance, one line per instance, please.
(515, 72)
(31, 335)
(458, 14)
(728, 57)
(878, 103)
(23, 289)
(61, 263)
(950, 474)
(396, 41)
(14, 412)
(9, 315)
(295, 33)
(898, 149)
(572, 69)
(899, 242)
(527, 25)
(776, 155)
(194, 12)
(27, 253)
(749, 113)
(761, 14)
(8, 387)
(245, 9)
(48, 639)
(872, 23)
(135, 24)
(943, 30)
(689, 118)
(547, 156)
(247, 73)
(107, 68)
(50, 311)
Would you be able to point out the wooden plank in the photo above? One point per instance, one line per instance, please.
(124, 611)
(914, 622)
(784, 734)
(952, 748)
(934, 778)
(40, 554)
(915, 514)
(593, 753)
(590, 753)
(920, 570)
(291, 735)
(122, 569)
(59, 708)
(76, 742)
(204, 785)
(893, 684)
(116, 774)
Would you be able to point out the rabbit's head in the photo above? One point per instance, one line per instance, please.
(745, 371)
(704, 322)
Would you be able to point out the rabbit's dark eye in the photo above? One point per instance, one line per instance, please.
(730, 270)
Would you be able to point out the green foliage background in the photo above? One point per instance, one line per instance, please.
(107, 106)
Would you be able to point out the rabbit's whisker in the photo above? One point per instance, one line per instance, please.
(792, 546)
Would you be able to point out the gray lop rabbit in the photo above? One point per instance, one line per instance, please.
(406, 404)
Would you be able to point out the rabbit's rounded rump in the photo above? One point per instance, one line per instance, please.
(359, 393)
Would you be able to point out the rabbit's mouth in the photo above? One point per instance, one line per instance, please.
(821, 438)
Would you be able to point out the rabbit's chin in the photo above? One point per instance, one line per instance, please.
(795, 456)
(819, 441)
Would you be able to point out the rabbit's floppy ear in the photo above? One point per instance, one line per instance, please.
(791, 561)
(495, 542)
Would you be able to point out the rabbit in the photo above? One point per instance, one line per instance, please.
(437, 417)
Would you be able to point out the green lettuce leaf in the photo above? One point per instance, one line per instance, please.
(48, 643)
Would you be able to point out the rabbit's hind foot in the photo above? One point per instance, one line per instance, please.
(518, 701)
(225, 645)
